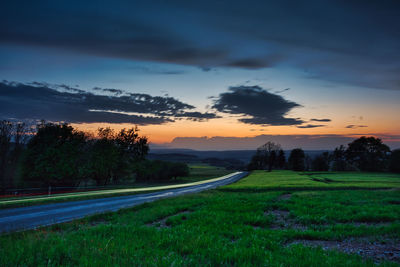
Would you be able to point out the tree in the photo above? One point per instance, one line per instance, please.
(296, 159)
(158, 170)
(131, 144)
(104, 157)
(256, 163)
(394, 163)
(55, 155)
(339, 159)
(265, 157)
(111, 154)
(5, 147)
(179, 169)
(281, 160)
(321, 162)
(13, 137)
(368, 154)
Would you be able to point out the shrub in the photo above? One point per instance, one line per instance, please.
(158, 170)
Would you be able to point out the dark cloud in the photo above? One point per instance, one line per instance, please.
(25, 101)
(197, 116)
(109, 90)
(60, 87)
(98, 32)
(321, 120)
(250, 63)
(154, 70)
(304, 35)
(264, 108)
(352, 126)
(311, 126)
(79, 27)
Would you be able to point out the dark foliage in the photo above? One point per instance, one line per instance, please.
(104, 158)
(321, 162)
(368, 154)
(281, 160)
(228, 163)
(394, 162)
(157, 170)
(296, 160)
(13, 137)
(59, 155)
(339, 159)
(55, 155)
(266, 157)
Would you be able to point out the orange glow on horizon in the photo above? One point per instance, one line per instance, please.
(229, 127)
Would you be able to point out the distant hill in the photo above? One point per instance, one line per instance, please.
(243, 155)
(174, 157)
(189, 155)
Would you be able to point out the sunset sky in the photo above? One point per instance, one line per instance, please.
(207, 74)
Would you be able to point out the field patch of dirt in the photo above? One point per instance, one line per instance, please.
(162, 223)
(283, 221)
(387, 249)
(284, 197)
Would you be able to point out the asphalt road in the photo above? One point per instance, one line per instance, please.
(18, 219)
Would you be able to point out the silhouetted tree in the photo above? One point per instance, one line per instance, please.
(271, 160)
(265, 157)
(5, 147)
(281, 159)
(394, 162)
(368, 153)
(111, 154)
(158, 170)
(135, 147)
(339, 159)
(321, 162)
(179, 169)
(103, 157)
(296, 159)
(13, 137)
(55, 155)
(256, 163)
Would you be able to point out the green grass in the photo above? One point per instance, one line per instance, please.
(218, 227)
(288, 180)
(198, 173)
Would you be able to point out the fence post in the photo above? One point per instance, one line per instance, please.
(49, 192)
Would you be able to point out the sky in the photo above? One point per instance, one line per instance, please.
(207, 74)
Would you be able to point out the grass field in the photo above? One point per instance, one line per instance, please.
(287, 180)
(240, 225)
(198, 173)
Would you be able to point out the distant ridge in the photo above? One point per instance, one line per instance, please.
(178, 154)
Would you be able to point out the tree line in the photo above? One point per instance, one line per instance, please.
(363, 154)
(54, 154)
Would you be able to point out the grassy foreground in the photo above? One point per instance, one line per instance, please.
(198, 173)
(222, 227)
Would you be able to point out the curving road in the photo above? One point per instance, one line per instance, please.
(35, 216)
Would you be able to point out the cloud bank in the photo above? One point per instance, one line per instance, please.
(245, 35)
(64, 103)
